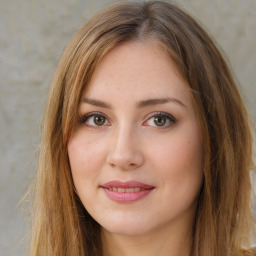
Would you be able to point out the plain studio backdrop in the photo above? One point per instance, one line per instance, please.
(33, 35)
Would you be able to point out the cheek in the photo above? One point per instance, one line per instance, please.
(85, 157)
(178, 154)
(181, 175)
(178, 161)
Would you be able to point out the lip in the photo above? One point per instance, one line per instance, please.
(137, 190)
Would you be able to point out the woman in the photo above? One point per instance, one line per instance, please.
(146, 145)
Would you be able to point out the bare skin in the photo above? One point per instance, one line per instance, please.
(138, 123)
(159, 242)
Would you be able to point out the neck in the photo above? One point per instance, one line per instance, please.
(175, 240)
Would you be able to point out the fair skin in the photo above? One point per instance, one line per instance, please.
(138, 125)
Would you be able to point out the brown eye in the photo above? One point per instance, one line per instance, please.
(160, 120)
(94, 120)
(99, 120)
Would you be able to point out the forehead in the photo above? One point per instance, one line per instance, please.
(137, 70)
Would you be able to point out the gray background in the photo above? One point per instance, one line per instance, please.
(33, 34)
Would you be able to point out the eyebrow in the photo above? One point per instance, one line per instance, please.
(151, 102)
(140, 104)
(97, 103)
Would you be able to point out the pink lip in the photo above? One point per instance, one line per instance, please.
(126, 197)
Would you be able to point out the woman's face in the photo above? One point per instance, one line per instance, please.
(136, 155)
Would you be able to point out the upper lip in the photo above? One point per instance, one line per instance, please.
(127, 184)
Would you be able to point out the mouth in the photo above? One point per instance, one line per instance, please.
(126, 192)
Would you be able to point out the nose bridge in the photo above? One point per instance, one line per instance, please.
(125, 152)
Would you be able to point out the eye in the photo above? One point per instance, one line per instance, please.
(161, 120)
(94, 119)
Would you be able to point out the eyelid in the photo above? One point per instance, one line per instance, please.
(85, 117)
(170, 117)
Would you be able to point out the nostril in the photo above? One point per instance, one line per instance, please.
(125, 157)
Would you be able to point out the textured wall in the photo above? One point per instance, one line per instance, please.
(32, 37)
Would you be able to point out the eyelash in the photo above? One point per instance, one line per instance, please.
(168, 117)
(84, 119)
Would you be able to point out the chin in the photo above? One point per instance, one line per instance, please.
(126, 227)
(126, 230)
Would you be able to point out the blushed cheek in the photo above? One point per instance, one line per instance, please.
(180, 160)
(78, 158)
(82, 166)
(75, 153)
(85, 156)
(184, 172)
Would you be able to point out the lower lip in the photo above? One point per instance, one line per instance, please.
(126, 197)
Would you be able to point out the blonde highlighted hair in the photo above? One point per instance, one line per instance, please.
(224, 224)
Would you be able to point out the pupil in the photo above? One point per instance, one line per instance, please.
(99, 120)
(159, 120)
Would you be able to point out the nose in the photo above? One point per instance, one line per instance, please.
(125, 152)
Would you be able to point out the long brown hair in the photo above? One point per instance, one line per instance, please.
(224, 224)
